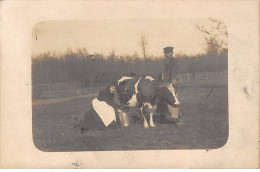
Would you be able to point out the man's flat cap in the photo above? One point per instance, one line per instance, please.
(168, 49)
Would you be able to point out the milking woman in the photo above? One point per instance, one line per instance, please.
(103, 111)
(168, 75)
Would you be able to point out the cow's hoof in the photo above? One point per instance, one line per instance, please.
(180, 123)
(146, 126)
(152, 126)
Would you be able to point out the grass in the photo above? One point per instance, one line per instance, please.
(56, 126)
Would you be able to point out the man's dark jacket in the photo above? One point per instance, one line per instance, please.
(169, 71)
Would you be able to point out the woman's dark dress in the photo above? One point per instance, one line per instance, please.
(92, 119)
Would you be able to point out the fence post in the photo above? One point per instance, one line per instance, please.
(180, 78)
(91, 83)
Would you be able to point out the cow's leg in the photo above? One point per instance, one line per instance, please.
(145, 121)
(151, 110)
(151, 120)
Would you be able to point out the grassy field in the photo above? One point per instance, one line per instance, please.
(56, 125)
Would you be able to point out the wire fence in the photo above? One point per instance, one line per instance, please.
(39, 89)
(187, 77)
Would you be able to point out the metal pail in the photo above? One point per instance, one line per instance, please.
(124, 119)
(174, 111)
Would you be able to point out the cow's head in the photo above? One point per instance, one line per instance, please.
(168, 95)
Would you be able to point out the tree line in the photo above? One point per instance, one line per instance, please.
(98, 70)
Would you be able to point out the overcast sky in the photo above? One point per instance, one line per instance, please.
(121, 35)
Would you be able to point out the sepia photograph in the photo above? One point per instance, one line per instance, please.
(129, 84)
(140, 84)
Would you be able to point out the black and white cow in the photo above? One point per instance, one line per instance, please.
(145, 92)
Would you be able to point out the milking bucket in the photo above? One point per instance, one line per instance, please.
(124, 118)
(174, 111)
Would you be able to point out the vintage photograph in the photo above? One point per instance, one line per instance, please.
(139, 84)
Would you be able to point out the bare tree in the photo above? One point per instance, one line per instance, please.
(143, 44)
(215, 36)
(111, 59)
(112, 53)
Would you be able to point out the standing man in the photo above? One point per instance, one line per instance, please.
(169, 71)
(168, 75)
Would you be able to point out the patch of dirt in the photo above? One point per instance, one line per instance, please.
(60, 100)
